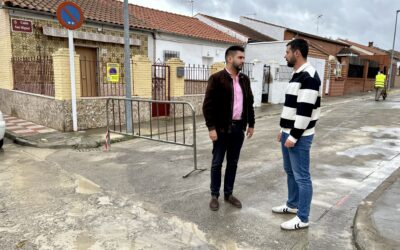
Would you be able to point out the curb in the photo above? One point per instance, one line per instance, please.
(82, 144)
(365, 234)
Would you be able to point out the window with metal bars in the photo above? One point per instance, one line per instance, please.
(168, 54)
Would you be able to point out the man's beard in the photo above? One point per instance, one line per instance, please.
(238, 67)
(290, 64)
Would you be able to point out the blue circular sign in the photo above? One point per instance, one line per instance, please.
(70, 15)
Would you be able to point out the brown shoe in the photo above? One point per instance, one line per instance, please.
(234, 201)
(214, 204)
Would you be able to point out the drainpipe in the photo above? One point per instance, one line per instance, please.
(154, 45)
(365, 75)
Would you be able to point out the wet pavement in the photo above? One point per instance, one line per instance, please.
(134, 197)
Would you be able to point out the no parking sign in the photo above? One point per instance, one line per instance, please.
(70, 16)
(113, 72)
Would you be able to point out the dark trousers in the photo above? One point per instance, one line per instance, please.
(231, 144)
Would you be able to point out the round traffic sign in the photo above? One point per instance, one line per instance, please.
(70, 15)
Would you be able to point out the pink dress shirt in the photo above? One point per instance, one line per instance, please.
(237, 97)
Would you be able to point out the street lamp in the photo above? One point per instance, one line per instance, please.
(391, 56)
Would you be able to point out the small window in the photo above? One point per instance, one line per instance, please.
(373, 69)
(168, 54)
(356, 67)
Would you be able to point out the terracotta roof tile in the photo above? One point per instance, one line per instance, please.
(253, 35)
(180, 24)
(111, 11)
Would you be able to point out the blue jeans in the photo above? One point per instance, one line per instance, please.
(231, 144)
(296, 162)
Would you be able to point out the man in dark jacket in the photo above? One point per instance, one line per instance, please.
(228, 109)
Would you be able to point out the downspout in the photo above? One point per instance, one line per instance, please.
(154, 45)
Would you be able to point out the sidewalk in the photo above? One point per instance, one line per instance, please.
(26, 133)
(30, 134)
(376, 224)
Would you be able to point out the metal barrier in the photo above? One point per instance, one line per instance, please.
(196, 78)
(155, 127)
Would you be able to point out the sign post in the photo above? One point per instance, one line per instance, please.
(127, 49)
(71, 17)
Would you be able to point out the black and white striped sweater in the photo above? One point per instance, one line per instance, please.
(301, 110)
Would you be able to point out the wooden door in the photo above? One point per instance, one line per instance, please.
(88, 66)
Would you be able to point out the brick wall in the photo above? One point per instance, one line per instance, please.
(177, 83)
(337, 88)
(354, 85)
(62, 79)
(142, 79)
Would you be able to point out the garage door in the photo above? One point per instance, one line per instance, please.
(319, 65)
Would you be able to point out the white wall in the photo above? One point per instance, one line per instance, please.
(272, 54)
(256, 84)
(270, 30)
(319, 65)
(150, 44)
(222, 28)
(267, 52)
(191, 50)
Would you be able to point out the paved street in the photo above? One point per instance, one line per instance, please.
(134, 196)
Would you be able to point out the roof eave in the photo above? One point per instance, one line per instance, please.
(201, 38)
(316, 37)
(89, 20)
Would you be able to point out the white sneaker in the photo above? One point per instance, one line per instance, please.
(294, 224)
(284, 210)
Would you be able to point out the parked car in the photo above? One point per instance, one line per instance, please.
(2, 129)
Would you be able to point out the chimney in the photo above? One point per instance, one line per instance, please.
(370, 44)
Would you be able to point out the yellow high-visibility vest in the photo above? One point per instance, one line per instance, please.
(380, 80)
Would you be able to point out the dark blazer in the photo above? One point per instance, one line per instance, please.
(218, 102)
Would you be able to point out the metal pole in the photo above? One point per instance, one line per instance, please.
(194, 139)
(391, 56)
(192, 2)
(73, 82)
(127, 77)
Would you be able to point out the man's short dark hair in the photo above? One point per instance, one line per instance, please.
(231, 51)
(299, 44)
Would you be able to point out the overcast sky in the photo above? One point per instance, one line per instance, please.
(357, 20)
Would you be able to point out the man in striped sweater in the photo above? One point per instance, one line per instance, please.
(299, 116)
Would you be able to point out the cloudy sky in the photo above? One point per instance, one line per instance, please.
(357, 20)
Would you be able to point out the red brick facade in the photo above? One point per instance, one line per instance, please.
(323, 47)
